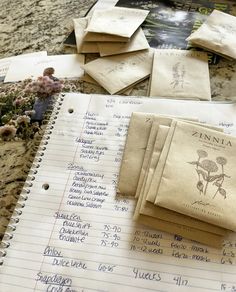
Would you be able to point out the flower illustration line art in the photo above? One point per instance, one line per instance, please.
(207, 172)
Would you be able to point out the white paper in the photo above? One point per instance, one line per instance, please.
(103, 4)
(5, 63)
(79, 236)
(66, 66)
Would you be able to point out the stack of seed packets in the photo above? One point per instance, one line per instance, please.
(181, 172)
(125, 55)
(217, 34)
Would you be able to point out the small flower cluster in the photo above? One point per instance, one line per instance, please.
(44, 87)
(18, 106)
(15, 112)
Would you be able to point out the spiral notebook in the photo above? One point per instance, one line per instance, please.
(74, 233)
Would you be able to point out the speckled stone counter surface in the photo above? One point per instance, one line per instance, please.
(33, 25)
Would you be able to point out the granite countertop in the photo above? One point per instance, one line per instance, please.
(33, 25)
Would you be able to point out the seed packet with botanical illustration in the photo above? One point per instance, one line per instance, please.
(149, 209)
(180, 74)
(198, 176)
(154, 185)
(217, 34)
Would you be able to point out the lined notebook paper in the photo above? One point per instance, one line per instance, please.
(75, 234)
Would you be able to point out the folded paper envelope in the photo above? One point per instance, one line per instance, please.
(217, 34)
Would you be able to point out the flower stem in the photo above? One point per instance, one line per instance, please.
(208, 174)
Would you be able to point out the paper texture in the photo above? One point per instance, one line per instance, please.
(149, 152)
(137, 42)
(115, 73)
(217, 34)
(102, 37)
(157, 120)
(182, 230)
(156, 142)
(138, 147)
(79, 235)
(83, 47)
(149, 209)
(180, 74)
(135, 147)
(66, 66)
(203, 183)
(89, 79)
(5, 63)
(117, 21)
(162, 160)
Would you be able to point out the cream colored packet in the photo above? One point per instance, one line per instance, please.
(89, 79)
(198, 176)
(149, 151)
(180, 74)
(157, 120)
(151, 195)
(149, 209)
(217, 34)
(137, 42)
(158, 143)
(82, 46)
(116, 73)
(203, 237)
(135, 149)
(136, 143)
(119, 21)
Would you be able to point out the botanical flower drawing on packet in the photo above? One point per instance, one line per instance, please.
(210, 173)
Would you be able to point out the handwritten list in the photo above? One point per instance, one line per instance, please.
(75, 233)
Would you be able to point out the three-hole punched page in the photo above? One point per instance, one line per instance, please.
(75, 233)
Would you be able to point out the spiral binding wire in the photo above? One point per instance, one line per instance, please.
(11, 227)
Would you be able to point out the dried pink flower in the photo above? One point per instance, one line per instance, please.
(23, 120)
(7, 132)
